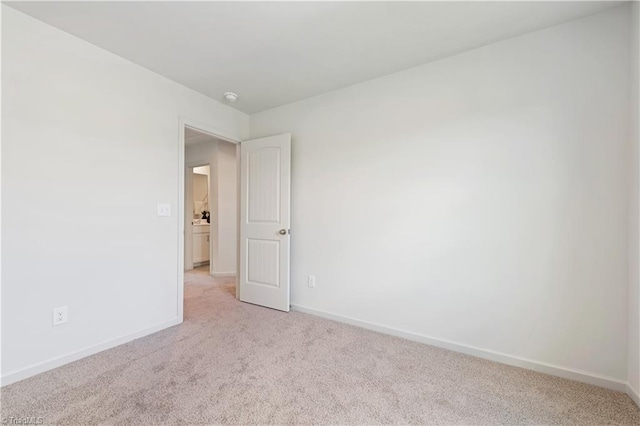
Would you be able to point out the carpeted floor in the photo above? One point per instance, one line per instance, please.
(236, 363)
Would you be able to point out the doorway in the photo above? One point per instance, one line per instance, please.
(249, 228)
(209, 206)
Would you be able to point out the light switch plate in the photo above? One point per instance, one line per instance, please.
(164, 209)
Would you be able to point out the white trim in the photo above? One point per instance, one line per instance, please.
(223, 274)
(541, 367)
(181, 218)
(188, 226)
(238, 207)
(633, 394)
(74, 356)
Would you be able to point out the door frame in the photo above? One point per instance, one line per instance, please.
(183, 124)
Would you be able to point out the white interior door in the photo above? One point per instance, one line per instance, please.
(265, 182)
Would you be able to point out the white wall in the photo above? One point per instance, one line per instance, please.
(201, 185)
(200, 194)
(500, 183)
(634, 228)
(227, 203)
(479, 200)
(222, 201)
(103, 134)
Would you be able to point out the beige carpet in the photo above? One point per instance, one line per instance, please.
(237, 363)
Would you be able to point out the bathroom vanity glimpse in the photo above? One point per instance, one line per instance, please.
(200, 244)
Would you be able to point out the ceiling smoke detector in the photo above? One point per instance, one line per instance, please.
(230, 97)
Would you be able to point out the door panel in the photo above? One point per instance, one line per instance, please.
(265, 182)
(264, 185)
(262, 262)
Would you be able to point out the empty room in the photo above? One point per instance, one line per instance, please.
(322, 213)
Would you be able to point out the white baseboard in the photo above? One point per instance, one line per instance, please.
(32, 370)
(542, 367)
(568, 373)
(223, 274)
(633, 394)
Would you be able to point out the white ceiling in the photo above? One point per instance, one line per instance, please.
(276, 53)
(193, 137)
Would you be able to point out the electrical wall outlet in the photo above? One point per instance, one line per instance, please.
(60, 315)
(312, 281)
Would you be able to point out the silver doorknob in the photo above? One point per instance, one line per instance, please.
(283, 232)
